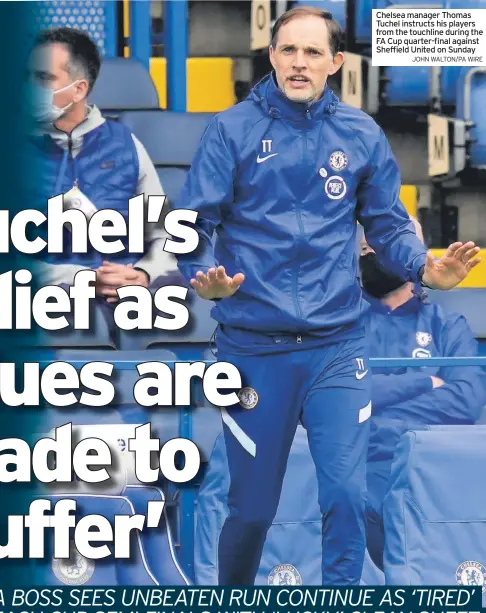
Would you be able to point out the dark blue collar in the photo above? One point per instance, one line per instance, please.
(276, 104)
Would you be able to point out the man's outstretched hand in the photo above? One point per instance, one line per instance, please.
(216, 284)
(452, 267)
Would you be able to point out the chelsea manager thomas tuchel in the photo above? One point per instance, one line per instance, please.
(283, 177)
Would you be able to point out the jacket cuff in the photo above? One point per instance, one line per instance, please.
(418, 268)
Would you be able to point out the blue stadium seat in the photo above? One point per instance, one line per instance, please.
(294, 539)
(124, 83)
(172, 180)
(157, 542)
(109, 571)
(469, 302)
(171, 138)
(435, 510)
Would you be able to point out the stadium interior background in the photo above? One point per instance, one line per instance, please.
(170, 65)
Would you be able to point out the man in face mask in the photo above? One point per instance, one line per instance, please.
(96, 163)
(402, 323)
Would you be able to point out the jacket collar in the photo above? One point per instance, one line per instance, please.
(276, 104)
(412, 305)
(94, 119)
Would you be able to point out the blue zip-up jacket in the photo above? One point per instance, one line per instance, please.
(403, 399)
(106, 170)
(283, 184)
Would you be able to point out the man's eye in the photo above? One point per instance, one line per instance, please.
(287, 49)
(314, 52)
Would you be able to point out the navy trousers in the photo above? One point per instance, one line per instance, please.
(327, 388)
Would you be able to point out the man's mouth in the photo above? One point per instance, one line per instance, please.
(298, 81)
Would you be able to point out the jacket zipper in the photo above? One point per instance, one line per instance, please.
(301, 236)
(296, 263)
(71, 158)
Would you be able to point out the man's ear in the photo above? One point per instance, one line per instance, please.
(337, 62)
(81, 90)
(271, 56)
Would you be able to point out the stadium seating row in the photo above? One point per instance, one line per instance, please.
(194, 337)
(435, 521)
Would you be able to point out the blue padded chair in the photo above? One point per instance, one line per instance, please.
(435, 509)
(108, 571)
(124, 83)
(172, 180)
(157, 543)
(470, 302)
(171, 138)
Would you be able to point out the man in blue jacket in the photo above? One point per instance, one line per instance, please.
(402, 323)
(97, 164)
(282, 177)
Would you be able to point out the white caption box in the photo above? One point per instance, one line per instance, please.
(429, 37)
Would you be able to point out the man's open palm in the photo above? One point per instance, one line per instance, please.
(216, 284)
(452, 267)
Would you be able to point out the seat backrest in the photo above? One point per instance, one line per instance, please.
(470, 302)
(124, 83)
(78, 570)
(171, 138)
(298, 520)
(172, 180)
(157, 542)
(435, 510)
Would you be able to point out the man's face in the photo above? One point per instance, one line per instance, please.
(49, 68)
(302, 58)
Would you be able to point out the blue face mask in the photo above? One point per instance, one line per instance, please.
(43, 108)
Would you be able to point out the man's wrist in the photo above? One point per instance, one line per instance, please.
(421, 277)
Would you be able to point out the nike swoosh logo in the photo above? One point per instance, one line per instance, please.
(360, 375)
(267, 157)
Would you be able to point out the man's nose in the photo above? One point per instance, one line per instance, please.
(299, 59)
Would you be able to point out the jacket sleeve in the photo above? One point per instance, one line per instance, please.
(462, 398)
(389, 390)
(208, 188)
(387, 225)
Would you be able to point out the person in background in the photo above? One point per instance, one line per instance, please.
(97, 163)
(402, 323)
